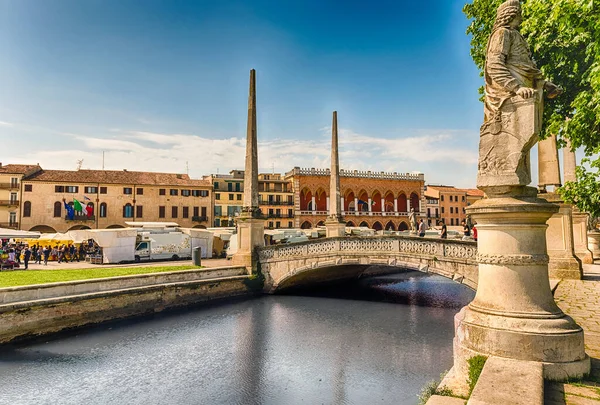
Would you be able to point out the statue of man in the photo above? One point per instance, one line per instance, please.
(511, 76)
(412, 220)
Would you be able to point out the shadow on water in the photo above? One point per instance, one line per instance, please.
(408, 288)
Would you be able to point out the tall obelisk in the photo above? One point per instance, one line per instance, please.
(250, 227)
(580, 219)
(335, 225)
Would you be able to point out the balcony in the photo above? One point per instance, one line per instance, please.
(289, 203)
(10, 225)
(81, 217)
(199, 218)
(9, 203)
(11, 186)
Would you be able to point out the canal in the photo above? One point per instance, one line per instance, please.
(375, 341)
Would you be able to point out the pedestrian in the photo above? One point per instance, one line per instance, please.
(444, 232)
(466, 231)
(422, 228)
(475, 232)
(72, 253)
(46, 252)
(62, 251)
(81, 255)
(18, 253)
(40, 254)
(26, 256)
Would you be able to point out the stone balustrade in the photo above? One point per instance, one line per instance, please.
(357, 173)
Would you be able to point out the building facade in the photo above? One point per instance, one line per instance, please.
(108, 199)
(276, 199)
(453, 201)
(11, 192)
(376, 200)
(432, 206)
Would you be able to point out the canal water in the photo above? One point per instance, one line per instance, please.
(375, 341)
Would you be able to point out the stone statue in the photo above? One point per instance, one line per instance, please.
(513, 105)
(412, 220)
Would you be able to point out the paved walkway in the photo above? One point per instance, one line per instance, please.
(580, 299)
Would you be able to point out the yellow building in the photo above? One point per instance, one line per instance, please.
(228, 196)
(111, 198)
(11, 192)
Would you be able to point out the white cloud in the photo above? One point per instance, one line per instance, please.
(6, 124)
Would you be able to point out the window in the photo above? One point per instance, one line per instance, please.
(90, 207)
(442, 210)
(185, 212)
(127, 211)
(185, 193)
(217, 196)
(139, 191)
(27, 209)
(442, 198)
(204, 211)
(127, 190)
(57, 209)
(277, 224)
(290, 213)
(230, 196)
(72, 189)
(196, 211)
(161, 211)
(270, 224)
(218, 211)
(229, 186)
(161, 191)
(463, 198)
(451, 210)
(451, 221)
(239, 197)
(103, 210)
(216, 185)
(200, 193)
(237, 186)
(90, 190)
(102, 190)
(28, 187)
(59, 189)
(289, 224)
(173, 191)
(174, 212)
(139, 211)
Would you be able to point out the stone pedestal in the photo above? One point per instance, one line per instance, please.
(513, 314)
(334, 228)
(580, 236)
(594, 244)
(559, 239)
(250, 234)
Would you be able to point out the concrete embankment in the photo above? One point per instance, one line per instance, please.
(30, 311)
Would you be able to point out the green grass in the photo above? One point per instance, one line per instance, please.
(476, 364)
(29, 277)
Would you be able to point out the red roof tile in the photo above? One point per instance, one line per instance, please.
(18, 169)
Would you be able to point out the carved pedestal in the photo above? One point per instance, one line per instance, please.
(513, 314)
(334, 228)
(594, 244)
(559, 239)
(580, 236)
(250, 234)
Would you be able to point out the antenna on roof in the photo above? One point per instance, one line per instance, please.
(102, 160)
(79, 164)
(187, 168)
(273, 167)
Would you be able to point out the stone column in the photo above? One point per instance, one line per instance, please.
(342, 203)
(395, 205)
(408, 204)
(580, 219)
(382, 205)
(327, 203)
(250, 224)
(369, 206)
(356, 205)
(548, 166)
(335, 225)
(314, 204)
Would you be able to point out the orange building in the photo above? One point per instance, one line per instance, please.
(377, 200)
(453, 201)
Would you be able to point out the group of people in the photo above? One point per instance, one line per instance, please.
(17, 253)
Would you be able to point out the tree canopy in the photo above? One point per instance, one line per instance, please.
(564, 36)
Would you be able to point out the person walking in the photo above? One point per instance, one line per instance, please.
(26, 256)
(422, 228)
(475, 232)
(444, 232)
(46, 252)
(72, 253)
(40, 254)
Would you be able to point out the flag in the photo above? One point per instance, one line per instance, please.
(85, 198)
(77, 205)
(89, 210)
(70, 211)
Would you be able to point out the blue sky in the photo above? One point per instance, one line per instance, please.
(156, 84)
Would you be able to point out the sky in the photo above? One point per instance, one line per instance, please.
(163, 85)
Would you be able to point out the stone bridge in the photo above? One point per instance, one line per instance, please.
(337, 258)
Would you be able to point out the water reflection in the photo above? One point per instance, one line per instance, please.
(348, 344)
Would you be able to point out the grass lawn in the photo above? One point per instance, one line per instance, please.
(29, 277)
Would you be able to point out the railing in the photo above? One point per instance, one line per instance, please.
(357, 173)
(199, 218)
(9, 185)
(314, 212)
(9, 202)
(276, 203)
(279, 216)
(12, 225)
(81, 217)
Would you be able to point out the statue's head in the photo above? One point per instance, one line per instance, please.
(508, 14)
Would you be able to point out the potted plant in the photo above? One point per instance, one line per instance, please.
(585, 195)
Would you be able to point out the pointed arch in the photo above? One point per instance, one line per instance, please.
(363, 201)
(403, 226)
(349, 197)
(350, 223)
(321, 223)
(58, 209)
(377, 226)
(305, 199)
(376, 201)
(402, 202)
(306, 225)
(321, 199)
(414, 202)
(389, 202)
(364, 224)
(27, 209)
(390, 226)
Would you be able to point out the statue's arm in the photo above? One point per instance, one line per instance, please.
(498, 51)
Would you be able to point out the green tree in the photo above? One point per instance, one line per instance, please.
(564, 36)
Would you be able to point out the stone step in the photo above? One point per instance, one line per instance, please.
(506, 381)
(440, 400)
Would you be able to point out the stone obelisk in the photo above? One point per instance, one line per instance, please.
(559, 236)
(250, 227)
(335, 225)
(513, 315)
(580, 219)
